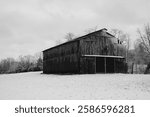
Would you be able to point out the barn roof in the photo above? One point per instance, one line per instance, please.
(79, 38)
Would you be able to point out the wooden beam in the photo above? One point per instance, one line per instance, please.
(106, 56)
(95, 65)
(105, 64)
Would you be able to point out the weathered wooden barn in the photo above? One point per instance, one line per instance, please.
(97, 52)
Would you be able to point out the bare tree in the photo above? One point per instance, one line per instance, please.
(127, 41)
(58, 42)
(90, 30)
(116, 32)
(38, 55)
(123, 38)
(144, 37)
(25, 63)
(39, 61)
(5, 65)
(119, 34)
(69, 36)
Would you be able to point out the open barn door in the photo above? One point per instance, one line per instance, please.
(110, 65)
(100, 66)
(105, 65)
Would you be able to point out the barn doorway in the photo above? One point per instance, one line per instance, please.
(100, 66)
(110, 68)
(105, 65)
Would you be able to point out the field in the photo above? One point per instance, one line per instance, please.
(37, 86)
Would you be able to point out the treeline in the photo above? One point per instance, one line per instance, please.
(138, 60)
(22, 64)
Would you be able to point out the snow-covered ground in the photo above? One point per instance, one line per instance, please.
(35, 85)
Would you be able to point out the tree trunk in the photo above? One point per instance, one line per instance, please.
(147, 71)
(132, 68)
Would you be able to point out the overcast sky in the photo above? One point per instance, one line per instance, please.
(30, 26)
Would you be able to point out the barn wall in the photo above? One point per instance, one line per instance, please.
(87, 65)
(100, 44)
(62, 59)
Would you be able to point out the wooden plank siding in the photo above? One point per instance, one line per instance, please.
(98, 44)
(63, 59)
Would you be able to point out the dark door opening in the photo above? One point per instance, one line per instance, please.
(103, 64)
(110, 65)
(100, 67)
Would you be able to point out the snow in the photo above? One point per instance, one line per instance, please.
(37, 86)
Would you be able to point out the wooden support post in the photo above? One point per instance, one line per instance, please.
(105, 64)
(114, 66)
(95, 64)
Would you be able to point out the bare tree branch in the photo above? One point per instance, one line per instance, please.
(145, 38)
(90, 30)
(69, 36)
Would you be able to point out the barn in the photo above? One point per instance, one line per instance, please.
(96, 52)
